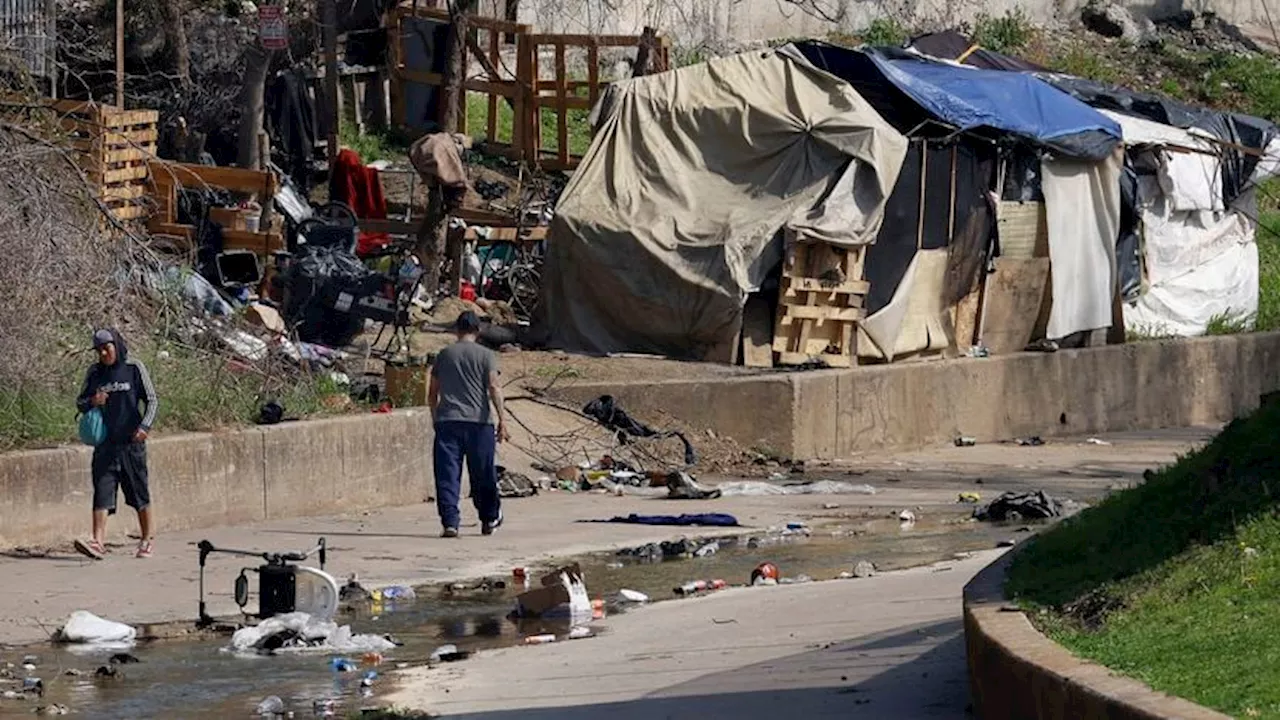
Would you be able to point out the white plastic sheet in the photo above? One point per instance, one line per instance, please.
(755, 488)
(313, 636)
(86, 628)
(1200, 265)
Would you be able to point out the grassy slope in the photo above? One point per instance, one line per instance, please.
(1175, 581)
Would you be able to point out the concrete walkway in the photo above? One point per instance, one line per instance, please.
(890, 646)
(401, 545)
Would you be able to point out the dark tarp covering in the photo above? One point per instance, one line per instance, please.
(970, 99)
(1128, 245)
(1234, 128)
(895, 246)
(951, 45)
(1237, 168)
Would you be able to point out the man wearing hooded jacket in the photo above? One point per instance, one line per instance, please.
(121, 388)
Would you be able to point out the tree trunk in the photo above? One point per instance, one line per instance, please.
(252, 105)
(432, 236)
(455, 70)
(176, 38)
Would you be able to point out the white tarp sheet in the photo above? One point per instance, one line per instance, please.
(1082, 210)
(1200, 266)
(673, 216)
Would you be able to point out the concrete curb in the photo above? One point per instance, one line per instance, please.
(1016, 673)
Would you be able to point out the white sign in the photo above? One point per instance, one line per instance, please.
(273, 32)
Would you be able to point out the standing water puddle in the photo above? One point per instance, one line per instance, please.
(197, 679)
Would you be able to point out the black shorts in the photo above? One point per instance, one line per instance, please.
(123, 467)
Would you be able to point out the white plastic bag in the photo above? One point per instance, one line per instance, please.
(87, 628)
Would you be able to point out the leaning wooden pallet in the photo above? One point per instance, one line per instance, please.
(821, 302)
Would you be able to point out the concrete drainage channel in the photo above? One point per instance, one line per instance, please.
(200, 679)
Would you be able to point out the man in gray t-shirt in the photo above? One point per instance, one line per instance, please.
(464, 386)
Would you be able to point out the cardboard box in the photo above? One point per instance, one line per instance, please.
(407, 384)
(563, 593)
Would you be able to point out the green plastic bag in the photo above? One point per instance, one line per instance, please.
(93, 429)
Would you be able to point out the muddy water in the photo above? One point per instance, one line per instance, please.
(197, 679)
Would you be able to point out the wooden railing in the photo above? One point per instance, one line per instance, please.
(523, 92)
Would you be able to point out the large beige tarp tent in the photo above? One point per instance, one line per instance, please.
(674, 215)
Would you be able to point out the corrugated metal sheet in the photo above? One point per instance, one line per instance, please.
(27, 32)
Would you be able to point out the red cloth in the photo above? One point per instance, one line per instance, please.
(361, 188)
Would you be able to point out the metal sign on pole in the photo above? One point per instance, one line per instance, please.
(273, 31)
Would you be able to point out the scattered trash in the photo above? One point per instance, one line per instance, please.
(754, 488)
(539, 639)
(447, 653)
(342, 665)
(581, 632)
(109, 672)
(300, 632)
(707, 550)
(324, 708)
(1015, 506)
(682, 486)
(694, 587)
(864, 569)
(830, 506)
(597, 609)
(766, 573)
(54, 709)
(123, 659)
(271, 705)
(844, 575)
(965, 441)
(353, 591)
(729, 621)
(614, 566)
(1097, 441)
(89, 629)
(10, 695)
(1006, 543)
(1033, 441)
(608, 413)
(907, 516)
(371, 658)
(73, 672)
(33, 686)
(30, 660)
(563, 592)
(515, 485)
(795, 580)
(367, 680)
(796, 526)
(28, 666)
(395, 592)
(970, 497)
(633, 596)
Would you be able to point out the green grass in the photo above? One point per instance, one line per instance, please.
(1268, 272)
(885, 32)
(372, 146)
(1174, 581)
(579, 129)
(196, 390)
(1007, 33)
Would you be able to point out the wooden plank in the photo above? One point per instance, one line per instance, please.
(828, 359)
(534, 111)
(236, 179)
(824, 313)
(562, 109)
(123, 192)
(128, 155)
(177, 230)
(757, 333)
(491, 125)
(261, 243)
(118, 175)
(484, 23)
(848, 287)
(520, 124)
(489, 87)
(593, 81)
(130, 212)
(575, 40)
(570, 102)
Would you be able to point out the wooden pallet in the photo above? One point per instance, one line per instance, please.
(113, 146)
(821, 303)
(167, 177)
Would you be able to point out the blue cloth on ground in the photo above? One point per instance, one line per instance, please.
(702, 519)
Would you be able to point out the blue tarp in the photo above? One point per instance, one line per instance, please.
(970, 98)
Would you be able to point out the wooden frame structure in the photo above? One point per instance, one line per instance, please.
(167, 177)
(112, 146)
(524, 90)
(821, 303)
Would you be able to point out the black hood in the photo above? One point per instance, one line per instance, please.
(122, 350)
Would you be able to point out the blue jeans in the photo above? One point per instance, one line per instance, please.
(477, 443)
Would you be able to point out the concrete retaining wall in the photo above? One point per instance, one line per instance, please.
(212, 479)
(1016, 673)
(831, 414)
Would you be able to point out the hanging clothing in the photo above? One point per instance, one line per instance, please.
(351, 182)
(291, 122)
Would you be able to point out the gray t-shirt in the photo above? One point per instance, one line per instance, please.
(462, 369)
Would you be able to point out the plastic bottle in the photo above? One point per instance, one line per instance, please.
(342, 665)
(398, 592)
(539, 639)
